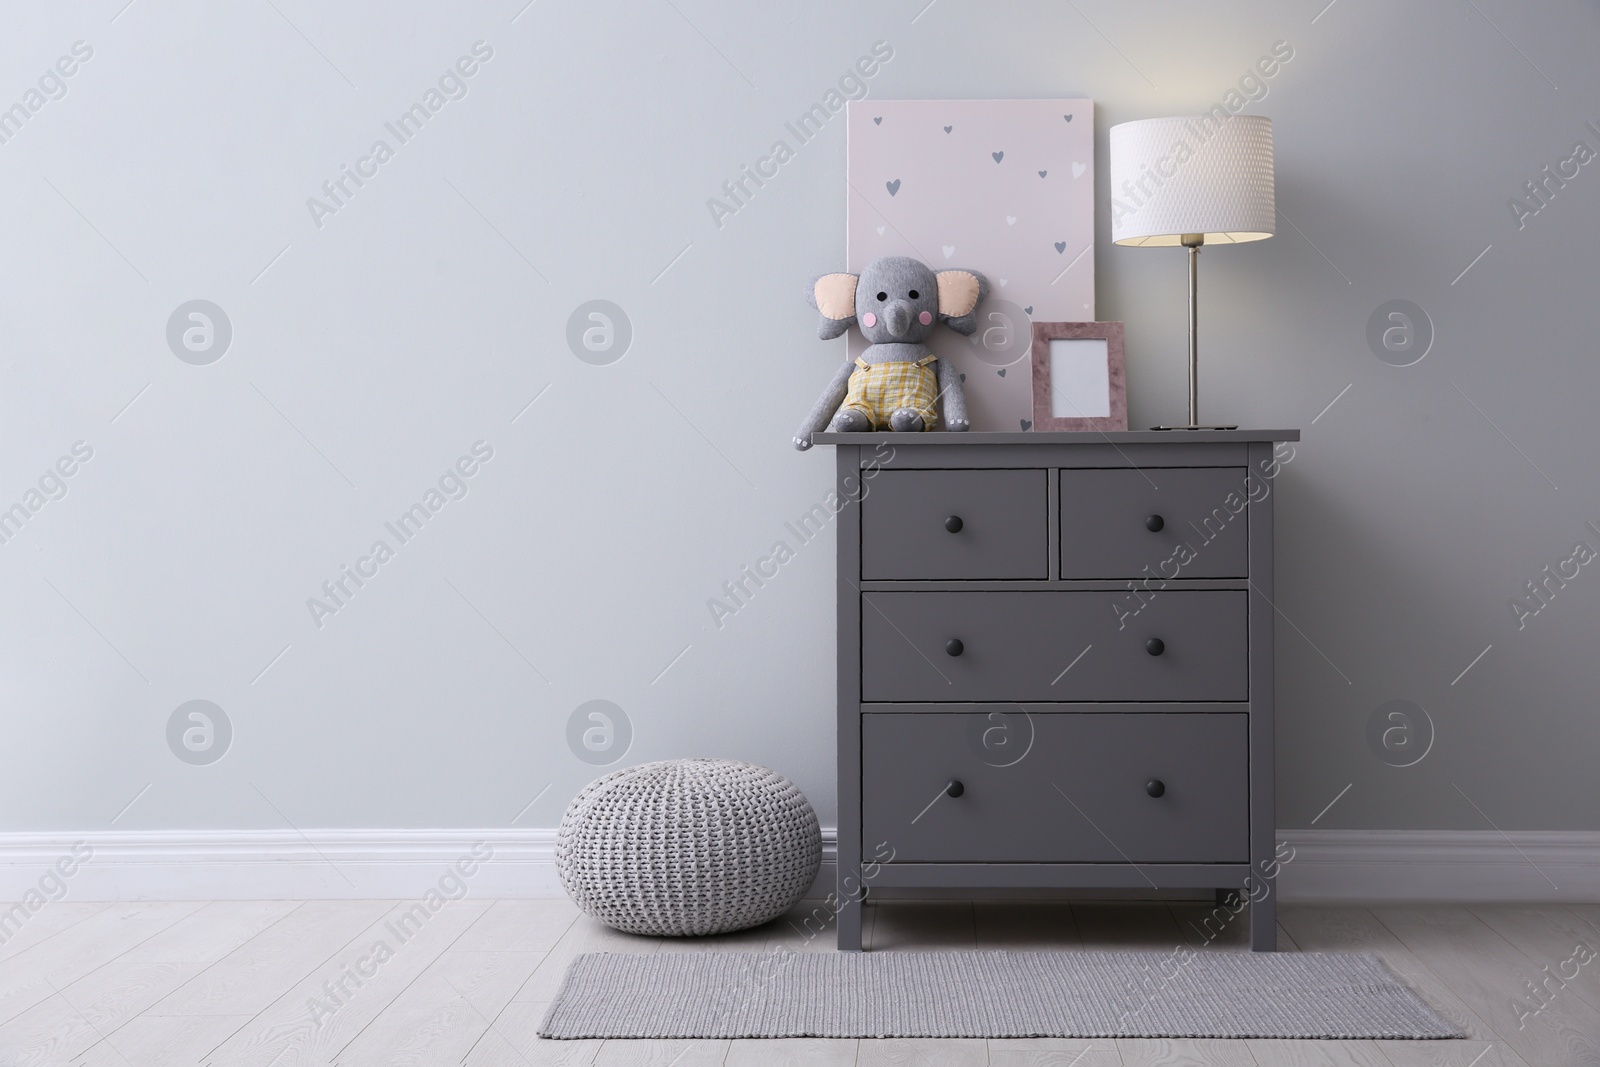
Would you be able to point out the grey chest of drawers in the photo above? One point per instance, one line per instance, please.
(1055, 664)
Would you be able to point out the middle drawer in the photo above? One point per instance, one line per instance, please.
(1054, 645)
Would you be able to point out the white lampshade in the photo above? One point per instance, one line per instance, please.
(1208, 174)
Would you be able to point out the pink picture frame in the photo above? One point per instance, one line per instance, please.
(1051, 400)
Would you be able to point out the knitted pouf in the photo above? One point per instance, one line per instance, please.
(688, 847)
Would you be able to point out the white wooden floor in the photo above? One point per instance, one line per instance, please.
(230, 983)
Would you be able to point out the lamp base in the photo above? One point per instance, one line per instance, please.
(1194, 427)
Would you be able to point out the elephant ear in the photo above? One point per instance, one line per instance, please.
(960, 292)
(834, 295)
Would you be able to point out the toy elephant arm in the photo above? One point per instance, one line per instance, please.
(828, 403)
(953, 398)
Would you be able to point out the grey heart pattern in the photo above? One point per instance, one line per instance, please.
(893, 187)
(963, 377)
(1042, 173)
(947, 129)
(1028, 310)
(879, 121)
(1002, 372)
(1067, 117)
(1027, 424)
(1061, 246)
(998, 156)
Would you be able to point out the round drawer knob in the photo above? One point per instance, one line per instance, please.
(954, 647)
(1154, 523)
(1155, 787)
(955, 788)
(1155, 646)
(953, 524)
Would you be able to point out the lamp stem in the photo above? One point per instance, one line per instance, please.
(1193, 242)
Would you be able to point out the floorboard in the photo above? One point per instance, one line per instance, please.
(922, 926)
(1357, 930)
(1025, 926)
(1318, 1053)
(582, 935)
(1053, 1052)
(168, 1040)
(211, 932)
(445, 1013)
(1144, 925)
(1566, 949)
(900, 1052)
(332, 1004)
(1489, 974)
(662, 1054)
(794, 1052)
(252, 976)
(519, 926)
(21, 929)
(1193, 1052)
(67, 1024)
(809, 926)
(514, 1041)
(37, 973)
(1212, 926)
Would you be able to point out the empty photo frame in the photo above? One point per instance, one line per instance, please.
(1079, 380)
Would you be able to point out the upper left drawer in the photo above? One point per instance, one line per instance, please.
(946, 524)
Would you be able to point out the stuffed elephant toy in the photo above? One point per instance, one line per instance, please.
(896, 303)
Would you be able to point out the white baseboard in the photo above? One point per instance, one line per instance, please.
(1327, 865)
(286, 865)
(279, 865)
(1466, 866)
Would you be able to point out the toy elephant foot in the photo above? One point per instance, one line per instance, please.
(850, 421)
(906, 421)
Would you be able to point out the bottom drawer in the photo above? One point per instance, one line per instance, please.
(1070, 787)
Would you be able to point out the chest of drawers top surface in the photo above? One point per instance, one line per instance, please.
(1091, 437)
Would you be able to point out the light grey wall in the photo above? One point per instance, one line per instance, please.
(370, 352)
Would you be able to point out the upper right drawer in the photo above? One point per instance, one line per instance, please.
(1180, 522)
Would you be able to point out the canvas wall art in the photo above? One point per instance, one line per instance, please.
(1003, 187)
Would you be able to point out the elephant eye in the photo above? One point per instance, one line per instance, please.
(913, 294)
(882, 297)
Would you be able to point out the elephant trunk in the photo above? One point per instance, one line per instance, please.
(898, 317)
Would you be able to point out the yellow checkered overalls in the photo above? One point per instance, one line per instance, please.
(878, 390)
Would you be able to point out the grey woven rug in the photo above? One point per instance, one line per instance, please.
(986, 994)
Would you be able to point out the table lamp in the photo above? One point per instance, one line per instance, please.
(1191, 182)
